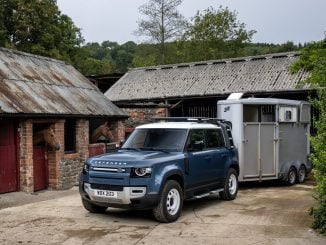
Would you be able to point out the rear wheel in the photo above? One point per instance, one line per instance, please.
(171, 202)
(231, 185)
(302, 174)
(92, 207)
(292, 176)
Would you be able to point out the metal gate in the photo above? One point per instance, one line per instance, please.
(40, 168)
(8, 160)
(259, 150)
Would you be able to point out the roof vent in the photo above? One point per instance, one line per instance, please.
(236, 61)
(166, 68)
(201, 64)
(235, 96)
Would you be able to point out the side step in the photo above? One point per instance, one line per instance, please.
(208, 193)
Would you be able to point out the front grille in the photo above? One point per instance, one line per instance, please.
(107, 187)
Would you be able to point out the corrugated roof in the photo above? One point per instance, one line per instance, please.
(31, 84)
(216, 77)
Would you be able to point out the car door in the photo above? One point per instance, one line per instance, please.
(219, 156)
(198, 159)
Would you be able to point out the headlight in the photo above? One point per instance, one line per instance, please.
(142, 172)
(86, 168)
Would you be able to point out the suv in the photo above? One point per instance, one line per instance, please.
(162, 164)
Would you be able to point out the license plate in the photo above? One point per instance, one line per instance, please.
(112, 194)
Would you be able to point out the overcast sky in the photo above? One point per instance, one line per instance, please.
(275, 21)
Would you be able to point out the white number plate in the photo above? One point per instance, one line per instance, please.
(112, 194)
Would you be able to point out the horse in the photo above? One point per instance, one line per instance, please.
(48, 136)
(102, 130)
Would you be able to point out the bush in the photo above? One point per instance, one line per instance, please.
(313, 59)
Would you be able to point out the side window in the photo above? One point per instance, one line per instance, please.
(196, 140)
(214, 138)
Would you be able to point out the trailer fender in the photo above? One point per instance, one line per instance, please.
(286, 167)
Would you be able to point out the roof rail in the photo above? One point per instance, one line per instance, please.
(193, 119)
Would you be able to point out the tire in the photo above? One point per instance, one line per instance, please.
(231, 186)
(171, 203)
(291, 178)
(302, 174)
(92, 207)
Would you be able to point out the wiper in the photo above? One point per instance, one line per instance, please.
(153, 149)
(129, 148)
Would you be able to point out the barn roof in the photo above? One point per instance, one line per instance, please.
(268, 73)
(31, 84)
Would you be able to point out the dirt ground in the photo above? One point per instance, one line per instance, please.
(262, 214)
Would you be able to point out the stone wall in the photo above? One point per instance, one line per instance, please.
(70, 169)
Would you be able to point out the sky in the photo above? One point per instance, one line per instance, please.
(276, 21)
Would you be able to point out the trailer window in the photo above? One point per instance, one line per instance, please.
(214, 138)
(259, 113)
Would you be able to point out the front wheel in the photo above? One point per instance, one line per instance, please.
(171, 202)
(231, 186)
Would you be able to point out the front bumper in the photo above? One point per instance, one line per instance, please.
(134, 197)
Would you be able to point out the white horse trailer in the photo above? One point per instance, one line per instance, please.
(272, 137)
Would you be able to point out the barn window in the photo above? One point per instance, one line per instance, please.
(70, 136)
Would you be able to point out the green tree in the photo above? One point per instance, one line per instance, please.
(313, 59)
(38, 27)
(162, 22)
(215, 34)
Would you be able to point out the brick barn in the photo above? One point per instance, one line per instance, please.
(193, 89)
(44, 98)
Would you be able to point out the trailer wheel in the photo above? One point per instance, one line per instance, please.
(302, 174)
(292, 176)
(231, 186)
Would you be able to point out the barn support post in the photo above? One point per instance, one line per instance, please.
(118, 131)
(54, 157)
(26, 156)
(82, 141)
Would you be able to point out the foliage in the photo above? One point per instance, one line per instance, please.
(313, 59)
(215, 34)
(38, 27)
(162, 22)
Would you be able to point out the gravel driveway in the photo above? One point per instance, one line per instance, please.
(262, 214)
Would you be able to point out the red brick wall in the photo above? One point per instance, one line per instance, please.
(26, 156)
(54, 157)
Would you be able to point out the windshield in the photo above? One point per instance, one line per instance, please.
(157, 139)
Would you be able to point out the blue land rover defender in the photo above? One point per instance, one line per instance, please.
(161, 165)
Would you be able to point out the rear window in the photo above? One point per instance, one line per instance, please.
(214, 138)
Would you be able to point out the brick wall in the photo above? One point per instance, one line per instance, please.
(54, 157)
(26, 156)
(63, 169)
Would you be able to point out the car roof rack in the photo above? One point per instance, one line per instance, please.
(193, 119)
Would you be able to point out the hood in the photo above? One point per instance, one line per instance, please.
(129, 158)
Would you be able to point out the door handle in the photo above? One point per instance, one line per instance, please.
(208, 157)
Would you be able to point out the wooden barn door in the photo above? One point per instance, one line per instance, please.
(8, 160)
(40, 168)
